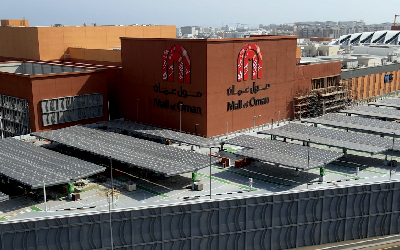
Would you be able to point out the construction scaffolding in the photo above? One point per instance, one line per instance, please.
(327, 95)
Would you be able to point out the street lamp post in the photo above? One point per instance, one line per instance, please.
(195, 128)
(109, 203)
(137, 110)
(210, 168)
(272, 124)
(308, 159)
(254, 122)
(180, 117)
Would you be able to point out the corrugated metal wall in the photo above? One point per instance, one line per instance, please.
(281, 221)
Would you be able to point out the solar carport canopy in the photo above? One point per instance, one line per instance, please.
(330, 137)
(386, 113)
(357, 123)
(32, 165)
(393, 102)
(3, 197)
(160, 133)
(287, 154)
(152, 156)
(281, 159)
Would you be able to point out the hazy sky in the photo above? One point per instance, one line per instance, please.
(200, 12)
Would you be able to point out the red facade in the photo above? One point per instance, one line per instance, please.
(156, 74)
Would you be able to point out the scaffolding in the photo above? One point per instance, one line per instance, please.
(320, 100)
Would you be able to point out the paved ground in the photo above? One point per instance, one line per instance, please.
(225, 182)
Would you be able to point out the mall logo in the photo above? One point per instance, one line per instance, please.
(176, 53)
(249, 52)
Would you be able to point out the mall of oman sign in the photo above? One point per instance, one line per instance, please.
(178, 54)
(249, 53)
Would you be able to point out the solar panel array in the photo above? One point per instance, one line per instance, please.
(32, 165)
(391, 102)
(374, 112)
(156, 157)
(160, 133)
(281, 159)
(334, 138)
(290, 149)
(357, 122)
(3, 197)
(282, 153)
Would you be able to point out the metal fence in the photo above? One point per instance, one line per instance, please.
(71, 108)
(14, 116)
(278, 221)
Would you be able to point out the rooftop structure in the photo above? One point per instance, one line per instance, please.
(376, 37)
(155, 157)
(358, 123)
(42, 68)
(158, 133)
(35, 166)
(383, 113)
(333, 138)
(285, 154)
(52, 43)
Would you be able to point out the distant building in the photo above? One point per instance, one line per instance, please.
(188, 30)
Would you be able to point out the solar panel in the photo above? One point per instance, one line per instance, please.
(156, 157)
(3, 197)
(160, 133)
(32, 165)
(286, 149)
(330, 137)
(374, 112)
(281, 159)
(357, 123)
(391, 102)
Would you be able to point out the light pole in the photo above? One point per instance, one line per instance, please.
(254, 122)
(180, 117)
(137, 110)
(227, 129)
(109, 205)
(391, 159)
(272, 124)
(112, 183)
(195, 128)
(308, 159)
(210, 168)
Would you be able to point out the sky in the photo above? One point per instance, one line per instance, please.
(207, 13)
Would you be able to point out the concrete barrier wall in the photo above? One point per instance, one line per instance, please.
(280, 221)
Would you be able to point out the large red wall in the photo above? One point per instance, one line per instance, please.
(213, 71)
(142, 69)
(279, 60)
(62, 85)
(35, 88)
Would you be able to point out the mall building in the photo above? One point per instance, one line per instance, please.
(210, 87)
(214, 86)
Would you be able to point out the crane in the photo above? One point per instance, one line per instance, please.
(237, 24)
(395, 16)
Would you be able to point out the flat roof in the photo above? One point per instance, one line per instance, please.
(152, 156)
(281, 159)
(333, 138)
(33, 166)
(160, 133)
(282, 153)
(370, 111)
(357, 123)
(392, 103)
(225, 40)
(40, 68)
